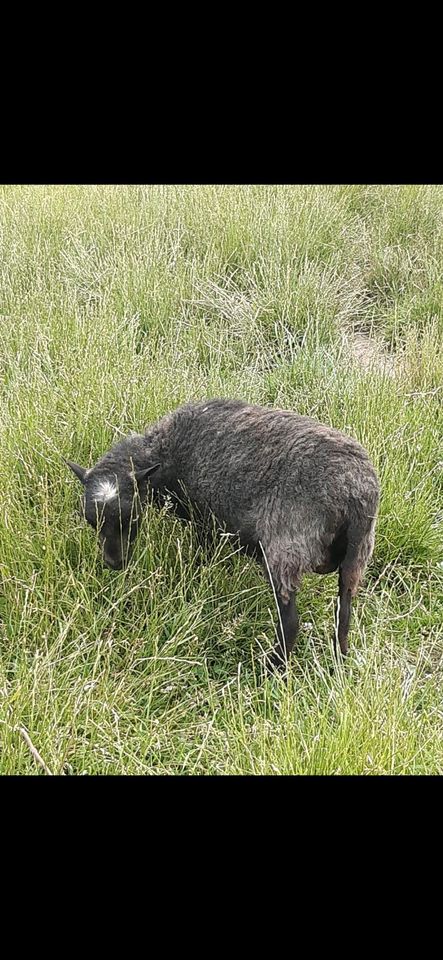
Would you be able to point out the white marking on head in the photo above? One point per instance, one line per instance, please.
(105, 491)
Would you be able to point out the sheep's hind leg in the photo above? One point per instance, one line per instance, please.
(348, 581)
(287, 630)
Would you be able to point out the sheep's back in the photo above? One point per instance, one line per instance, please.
(269, 468)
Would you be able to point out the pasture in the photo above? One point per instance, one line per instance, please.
(118, 303)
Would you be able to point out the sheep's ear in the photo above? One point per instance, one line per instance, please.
(80, 472)
(141, 475)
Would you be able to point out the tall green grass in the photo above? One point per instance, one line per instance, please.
(119, 303)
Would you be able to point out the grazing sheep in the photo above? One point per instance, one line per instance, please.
(301, 496)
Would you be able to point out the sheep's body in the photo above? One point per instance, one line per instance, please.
(274, 477)
(303, 493)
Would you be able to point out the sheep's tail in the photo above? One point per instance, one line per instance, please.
(361, 538)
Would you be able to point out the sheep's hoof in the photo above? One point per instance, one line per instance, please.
(340, 652)
(275, 663)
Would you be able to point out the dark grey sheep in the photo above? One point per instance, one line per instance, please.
(301, 496)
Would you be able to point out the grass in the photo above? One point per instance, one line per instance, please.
(119, 303)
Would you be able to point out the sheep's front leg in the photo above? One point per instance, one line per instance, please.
(287, 630)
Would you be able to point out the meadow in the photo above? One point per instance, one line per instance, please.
(117, 303)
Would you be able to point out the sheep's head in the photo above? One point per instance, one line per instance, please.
(112, 504)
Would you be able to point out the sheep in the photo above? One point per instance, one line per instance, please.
(301, 497)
